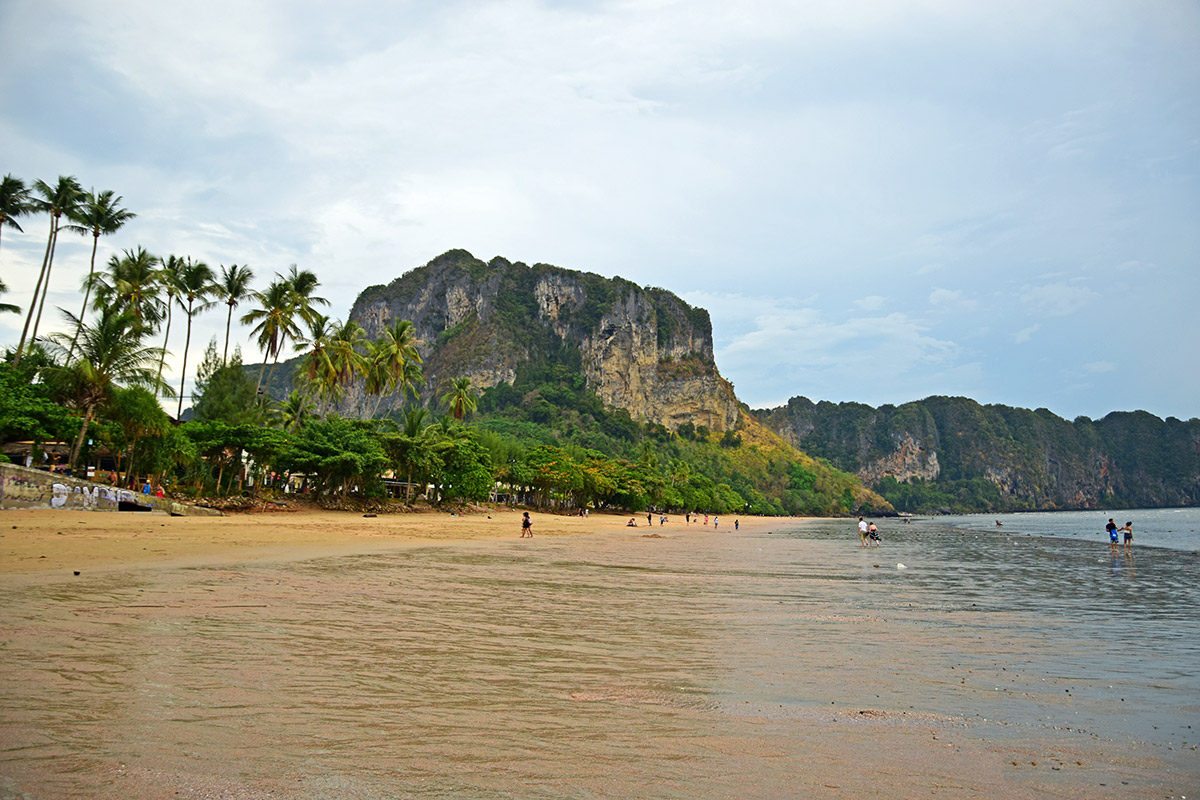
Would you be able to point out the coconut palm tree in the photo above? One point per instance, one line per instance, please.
(303, 283)
(393, 358)
(168, 279)
(316, 368)
(233, 287)
(345, 354)
(62, 198)
(196, 287)
(274, 321)
(14, 202)
(461, 399)
(295, 411)
(131, 282)
(109, 352)
(7, 308)
(102, 215)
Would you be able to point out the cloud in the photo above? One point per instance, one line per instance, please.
(1099, 367)
(951, 299)
(1025, 334)
(871, 302)
(1059, 299)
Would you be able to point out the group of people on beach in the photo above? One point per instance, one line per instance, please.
(689, 518)
(868, 533)
(1113, 531)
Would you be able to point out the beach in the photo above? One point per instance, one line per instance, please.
(316, 654)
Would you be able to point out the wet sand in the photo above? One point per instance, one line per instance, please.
(322, 655)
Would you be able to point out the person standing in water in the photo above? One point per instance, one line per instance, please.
(526, 526)
(862, 532)
(1128, 531)
(1111, 528)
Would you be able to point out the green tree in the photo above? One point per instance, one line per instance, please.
(394, 364)
(301, 283)
(14, 202)
(346, 359)
(224, 392)
(136, 416)
(109, 353)
(337, 454)
(27, 411)
(101, 215)
(294, 411)
(233, 288)
(131, 282)
(196, 287)
(460, 399)
(274, 321)
(61, 199)
(170, 281)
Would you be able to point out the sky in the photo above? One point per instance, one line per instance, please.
(876, 201)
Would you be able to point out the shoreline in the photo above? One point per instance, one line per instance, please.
(41, 541)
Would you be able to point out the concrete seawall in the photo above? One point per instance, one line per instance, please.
(21, 487)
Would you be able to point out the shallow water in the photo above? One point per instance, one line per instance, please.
(1173, 528)
(585, 667)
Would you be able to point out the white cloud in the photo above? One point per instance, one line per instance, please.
(1058, 299)
(951, 299)
(1025, 334)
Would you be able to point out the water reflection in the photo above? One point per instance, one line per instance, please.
(589, 667)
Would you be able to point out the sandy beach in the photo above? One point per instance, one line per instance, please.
(305, 655)
(45, 541)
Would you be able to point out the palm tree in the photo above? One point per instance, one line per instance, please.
(103, 216)
(14, 202)
(233, 288)
(62, 198)
(345, 354)
(395, 363)
(275, 318)
(131, 282)
(7, 308)
(303, 283)
(318, 371)
(168, 279)
(461, 399)
(196, 286)
(295, 411)
(109, 352)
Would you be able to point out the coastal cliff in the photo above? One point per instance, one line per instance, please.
(643, 350)
(951, 453)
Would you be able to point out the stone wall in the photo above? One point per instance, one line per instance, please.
(21, 487)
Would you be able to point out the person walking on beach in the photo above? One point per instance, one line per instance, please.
(526, 526)
(649, 518)
(1111, 529)
(737, 524)
(1128, 531)
(716, 522)
(872, 534)
(862, 532)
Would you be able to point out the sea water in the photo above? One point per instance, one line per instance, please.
(1174, 528)
(701, 664)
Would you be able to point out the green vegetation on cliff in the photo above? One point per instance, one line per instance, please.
(951, 453)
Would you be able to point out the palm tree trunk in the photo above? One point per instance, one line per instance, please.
(271, 371)
(45, 288)
(261, 371)
(187, 342)
(36, 289)
(87, 420)
(86, 293)
(220, 474)
(162, 358)
(228, 321)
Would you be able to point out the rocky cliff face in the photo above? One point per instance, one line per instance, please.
(1026, 459)
(643, 350)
